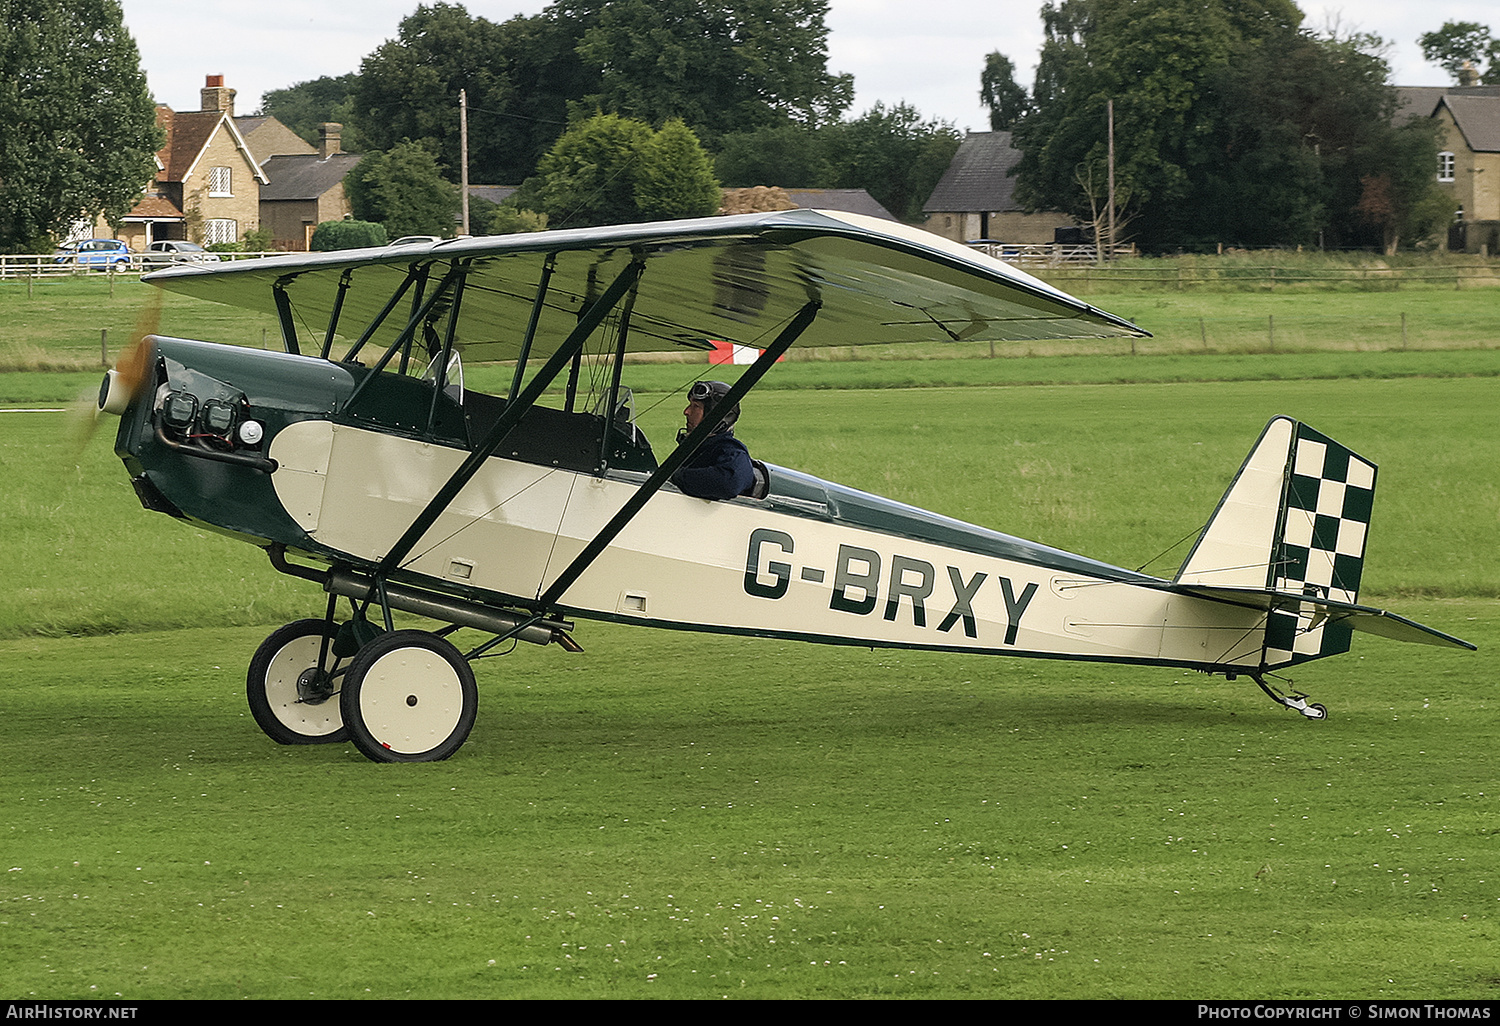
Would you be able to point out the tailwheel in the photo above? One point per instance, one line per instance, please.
(1296, 701)
(409, 696)
(293, 699)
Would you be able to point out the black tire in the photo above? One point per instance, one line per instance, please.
(271, 687)
(409, 696)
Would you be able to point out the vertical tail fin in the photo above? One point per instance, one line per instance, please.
(1293, 523)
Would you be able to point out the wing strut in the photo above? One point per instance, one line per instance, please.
(284, 313)
(614, 381)
(689, 445)
(338, 306)
(536, 313)
(374, 326)
(591, 319)
(454, 278)
(440, 380)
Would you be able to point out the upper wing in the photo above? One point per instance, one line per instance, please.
(723, 278)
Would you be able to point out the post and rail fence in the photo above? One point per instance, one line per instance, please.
(50, 265)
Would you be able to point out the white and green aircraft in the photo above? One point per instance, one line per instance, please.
(358, 460)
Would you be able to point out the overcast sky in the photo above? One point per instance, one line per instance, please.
(928, 54)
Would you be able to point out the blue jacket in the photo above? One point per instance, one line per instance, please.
(718, 470)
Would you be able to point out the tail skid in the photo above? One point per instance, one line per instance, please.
(1289, 537)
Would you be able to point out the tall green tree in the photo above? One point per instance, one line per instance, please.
(1232, 124)
(403, 190)
(519, 77)
(1462, 42)
(722, 66)
(78, 132)
(1305, 128)
(1007, 101)
(1158, 60)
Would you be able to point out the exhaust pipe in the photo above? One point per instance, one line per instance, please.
(347, 584)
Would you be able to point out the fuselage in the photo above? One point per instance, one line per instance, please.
(345, 459)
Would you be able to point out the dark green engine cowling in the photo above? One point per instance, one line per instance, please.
(197, 435)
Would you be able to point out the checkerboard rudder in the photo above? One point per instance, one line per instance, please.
(1324, 523)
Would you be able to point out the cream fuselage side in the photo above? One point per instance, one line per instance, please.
(745, 566)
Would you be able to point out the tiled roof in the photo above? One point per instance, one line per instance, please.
(1478, 118)
(154, 207)
(493, 193)
(979, 177)
(188, 132)
(850, 201)
(1475, 108)
(304, 176)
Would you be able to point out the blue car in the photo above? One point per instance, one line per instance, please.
(94, 253)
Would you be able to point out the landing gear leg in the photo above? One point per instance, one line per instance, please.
(1294, 700)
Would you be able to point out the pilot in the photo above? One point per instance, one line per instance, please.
(721, 468)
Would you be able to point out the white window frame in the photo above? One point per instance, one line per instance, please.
(220, 229)
(220, 181)
(1446, 166)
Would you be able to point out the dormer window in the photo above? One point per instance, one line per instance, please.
(221, 180)
(1445, 166)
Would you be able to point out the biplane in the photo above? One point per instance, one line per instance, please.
(359, 461)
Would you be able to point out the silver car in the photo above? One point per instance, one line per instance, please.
(173, 251)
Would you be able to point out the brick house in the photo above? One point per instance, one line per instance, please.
(1468, 158)
(208, 181)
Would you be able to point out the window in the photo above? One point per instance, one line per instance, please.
(220, 181)
(220, 230)
(1445, 166)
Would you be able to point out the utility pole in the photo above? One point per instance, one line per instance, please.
(1111, 106)
(463, 161)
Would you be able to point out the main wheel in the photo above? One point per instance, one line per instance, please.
(294, 701)
(409, 696)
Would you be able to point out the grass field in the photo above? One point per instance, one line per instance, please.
(675, 815)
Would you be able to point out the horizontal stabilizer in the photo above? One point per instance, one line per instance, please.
(1316, 612)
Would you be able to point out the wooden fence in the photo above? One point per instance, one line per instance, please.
(48, 265)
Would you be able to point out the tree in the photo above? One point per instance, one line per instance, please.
(1232, 124)
(1305, 124)
(519, 77)
(998, 91)
(306, 105)
(403, 190)
(894, 154)
(588, 176)
(722, 67)
(78, 132)
(614, 170)
(790, 156)
(674, 177)
(1462, 42)
(1158, 60)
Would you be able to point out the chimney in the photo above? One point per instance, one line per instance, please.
(328, 139)
(214, 95)
(1468, 75)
